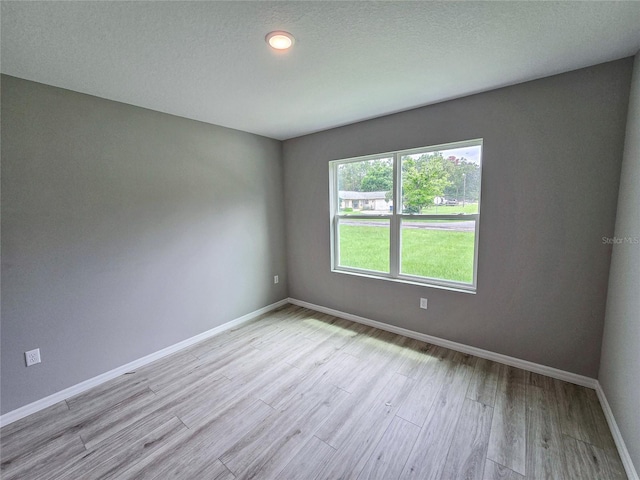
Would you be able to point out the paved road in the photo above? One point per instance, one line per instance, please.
(462, 226)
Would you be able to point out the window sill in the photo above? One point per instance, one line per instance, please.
(451, 287)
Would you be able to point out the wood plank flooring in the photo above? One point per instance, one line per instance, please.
(301, 395)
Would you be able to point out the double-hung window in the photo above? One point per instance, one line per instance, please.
(410, 215)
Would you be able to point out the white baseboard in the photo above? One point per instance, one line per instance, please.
(43, 403)
(458, 347)
(617, 435)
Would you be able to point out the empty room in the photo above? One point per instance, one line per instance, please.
(320, 240)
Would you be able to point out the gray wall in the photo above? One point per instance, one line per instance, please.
(620, 364)
(125, 231)
(552, 155)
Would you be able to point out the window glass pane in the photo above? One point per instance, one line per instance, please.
(442, 249)
(364, 244)
(441, 182)
(365, 187)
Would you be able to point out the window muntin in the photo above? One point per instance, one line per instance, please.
(431, 237)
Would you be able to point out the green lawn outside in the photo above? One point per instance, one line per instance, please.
(364, 247)
(430, 253)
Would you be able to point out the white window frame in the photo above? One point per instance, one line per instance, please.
(395, 221)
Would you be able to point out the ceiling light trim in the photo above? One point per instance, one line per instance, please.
(280, 40)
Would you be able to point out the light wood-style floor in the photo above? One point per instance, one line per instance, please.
(302, 395)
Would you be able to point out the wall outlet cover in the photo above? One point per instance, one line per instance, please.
(32, 357)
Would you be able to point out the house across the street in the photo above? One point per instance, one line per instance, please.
(375, 201)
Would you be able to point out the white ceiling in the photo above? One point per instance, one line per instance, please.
(352, 60)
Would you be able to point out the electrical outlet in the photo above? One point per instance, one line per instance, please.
(275, 279)
(32, 357)
(423, 303)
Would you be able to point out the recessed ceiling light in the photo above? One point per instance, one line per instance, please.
(280, 40)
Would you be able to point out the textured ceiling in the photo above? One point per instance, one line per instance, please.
(352, 60)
